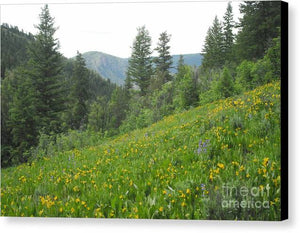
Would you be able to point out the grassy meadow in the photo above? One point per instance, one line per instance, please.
(178, 168)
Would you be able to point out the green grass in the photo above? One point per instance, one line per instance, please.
(164, 171)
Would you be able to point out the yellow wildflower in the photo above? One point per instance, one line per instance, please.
(221, 165)
(265, 162)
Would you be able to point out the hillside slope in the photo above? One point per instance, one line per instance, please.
(176, 168)
(107, 66)
(114, 68)
(14, 44)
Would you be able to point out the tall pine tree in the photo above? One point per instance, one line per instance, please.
(163, 61)
(228, 26)
(79, 93)
(140, 64)
(213, 56)
(258, 26)
(45, 68)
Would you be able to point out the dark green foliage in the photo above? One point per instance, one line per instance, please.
(225, 85)
(139, 114)
(274, 56)
(162, 101)
(79, 95)
(213, 52)
(98, 117)
(244, 78)
(258, 26)
(185, 88)
(13, 47)
(261, 72)
(140, 64)
(163, 62)
(19, 120)
(228, 26)
(118, 106)
(45, 72)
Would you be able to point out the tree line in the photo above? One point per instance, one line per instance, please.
(49, 95)
(42, 92)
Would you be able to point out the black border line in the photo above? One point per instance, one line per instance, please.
(284, 111)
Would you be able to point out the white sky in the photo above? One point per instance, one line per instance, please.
(111, 28)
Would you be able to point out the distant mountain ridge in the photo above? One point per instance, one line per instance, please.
(108, 66)
(114, 68)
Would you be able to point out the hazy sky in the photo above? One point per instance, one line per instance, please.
(111, 27)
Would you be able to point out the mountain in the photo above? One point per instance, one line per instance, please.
(114, 68)
(14, 43)
(106, 65)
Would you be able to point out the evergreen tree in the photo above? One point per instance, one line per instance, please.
(164, 60)
(79, 93)
(180, 62)
(45, 67)
(22, 117)
(180, 68)
(98, 117)
(228, 26)
(213, 47)
(226, 85)
(274, 55)
(185, 88)
(140, 64)
(118, 106)
(258, 26)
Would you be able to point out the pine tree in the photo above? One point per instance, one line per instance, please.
(164, 60)
(140, 64)
(118, 106)
(228, 26)
(45, 67)
(226, 85)
(22, 117)
(97, 119)
(180, 68)
(79, 93)
(213, 47)
(258, 26)
(185, 88)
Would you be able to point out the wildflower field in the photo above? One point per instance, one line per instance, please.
(217, 161)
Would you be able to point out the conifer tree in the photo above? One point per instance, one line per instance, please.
(180, 69)
(22, 117)
(45, 67)
(164, 60)
(140, 64)
(258, 26)
(79, 93)
(226, 85)
(213, 47)
(228, 26)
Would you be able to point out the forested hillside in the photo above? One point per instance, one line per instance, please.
(14, 45)
(28, 85)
